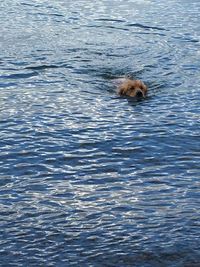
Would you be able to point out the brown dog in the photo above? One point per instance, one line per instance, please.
(132, 88)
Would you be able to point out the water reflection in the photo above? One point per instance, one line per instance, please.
(88, 177)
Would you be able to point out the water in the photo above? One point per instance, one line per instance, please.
(89, 178)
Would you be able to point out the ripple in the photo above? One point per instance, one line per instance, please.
(88, 177)
(42, 67)
(19, 75)
(138, 25)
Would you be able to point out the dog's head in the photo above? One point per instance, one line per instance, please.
(133, 88)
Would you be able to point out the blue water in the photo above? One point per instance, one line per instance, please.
(88, 178)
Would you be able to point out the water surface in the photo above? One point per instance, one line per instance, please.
(89, 178)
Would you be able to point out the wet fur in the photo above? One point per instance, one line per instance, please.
(131, 88)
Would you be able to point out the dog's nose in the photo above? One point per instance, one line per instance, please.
(139, 93)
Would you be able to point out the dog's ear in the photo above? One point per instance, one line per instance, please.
(122, 89)
(144, 88)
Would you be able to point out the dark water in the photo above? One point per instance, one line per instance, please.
(88, 178)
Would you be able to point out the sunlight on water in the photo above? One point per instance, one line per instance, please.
(89, 178)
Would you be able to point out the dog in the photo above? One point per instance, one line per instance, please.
(131, 88)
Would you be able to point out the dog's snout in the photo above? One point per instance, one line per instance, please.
(139, 93)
